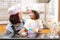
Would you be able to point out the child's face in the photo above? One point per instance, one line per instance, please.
(31, 14)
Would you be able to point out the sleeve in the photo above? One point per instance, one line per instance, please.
(8, 25)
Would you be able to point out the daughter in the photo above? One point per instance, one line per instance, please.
(33, 25)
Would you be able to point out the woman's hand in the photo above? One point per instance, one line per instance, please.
(22, 30)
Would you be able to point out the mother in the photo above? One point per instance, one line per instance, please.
(16, 21)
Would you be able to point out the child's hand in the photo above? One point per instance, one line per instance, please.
(34, 30)
(39, 30)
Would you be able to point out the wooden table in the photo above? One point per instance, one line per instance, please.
(45, 32)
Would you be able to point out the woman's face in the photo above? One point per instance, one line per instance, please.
(31, 14)
(20, 15)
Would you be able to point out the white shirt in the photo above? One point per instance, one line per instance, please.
(33, 24)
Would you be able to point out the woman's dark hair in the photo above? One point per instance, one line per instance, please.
(14, 19)
(36, 14)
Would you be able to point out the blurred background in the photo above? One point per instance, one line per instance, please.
(48, 10)
(43, 6)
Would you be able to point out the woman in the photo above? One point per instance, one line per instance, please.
(32, 25)
(15, 22)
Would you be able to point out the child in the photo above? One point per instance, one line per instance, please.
(32, 25)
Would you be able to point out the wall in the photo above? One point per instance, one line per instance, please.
(56, 11)
(51, 8)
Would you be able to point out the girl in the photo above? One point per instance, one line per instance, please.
(32, 25)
